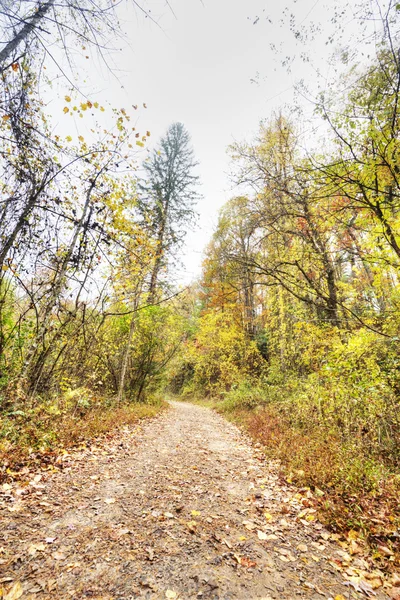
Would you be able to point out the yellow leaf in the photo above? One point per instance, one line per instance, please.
(192, 526)
(195, 513)
(84, 106)
(81, 138)
(66, 109)
(67, 98)
(68, 138)
(15, 592)
(268, 517)
(139, 143)
(96, 104)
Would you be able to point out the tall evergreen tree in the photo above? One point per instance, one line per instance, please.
(167, 196)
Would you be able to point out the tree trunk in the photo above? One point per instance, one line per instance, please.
(30, 24)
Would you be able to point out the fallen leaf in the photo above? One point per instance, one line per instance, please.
(14, 593)
(284, 558)
(315, 558)
(395, 580)
(385, 551)
(245, 561)
(192, 526)
(268, 517)
(33, 548)
(250, 525)
(354, 548)
(109, 500)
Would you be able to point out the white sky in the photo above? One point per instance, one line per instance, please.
(198, 68)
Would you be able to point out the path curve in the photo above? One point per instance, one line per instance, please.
(181, 507)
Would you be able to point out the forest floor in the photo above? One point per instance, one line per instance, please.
(181, 507)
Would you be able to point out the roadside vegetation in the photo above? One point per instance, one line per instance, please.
(89, 226)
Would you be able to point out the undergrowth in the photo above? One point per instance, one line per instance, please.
(37, 433)
(358, 488)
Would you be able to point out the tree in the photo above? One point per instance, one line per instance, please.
(297, 243)
(227, 273)
(50, 23)
(167, 196)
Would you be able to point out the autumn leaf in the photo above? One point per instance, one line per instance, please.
(33, 548)
(250, 525)
(65, 110)
(67, 98)
(268, 517)
(15, 592)
(15, 66)
(302, 548)
(192, 526)
(245, 561)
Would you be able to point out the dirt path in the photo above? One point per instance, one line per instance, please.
(183, 507)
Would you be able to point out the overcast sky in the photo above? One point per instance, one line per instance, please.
(217, 67)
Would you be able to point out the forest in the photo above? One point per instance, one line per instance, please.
(292, 330)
